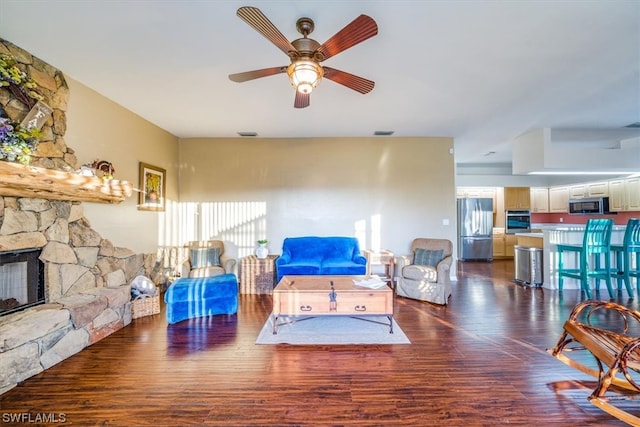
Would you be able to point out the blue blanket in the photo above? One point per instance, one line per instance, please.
(187, 298)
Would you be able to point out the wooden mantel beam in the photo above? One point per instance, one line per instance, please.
(18, 180)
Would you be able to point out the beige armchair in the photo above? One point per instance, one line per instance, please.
(206, 258)
(424, 274)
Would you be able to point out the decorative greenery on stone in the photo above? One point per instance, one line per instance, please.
(10, 74)
(17, 144)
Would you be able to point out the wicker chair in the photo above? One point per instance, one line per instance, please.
(424, 274)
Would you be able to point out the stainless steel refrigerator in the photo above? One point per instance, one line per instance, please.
(475, 229)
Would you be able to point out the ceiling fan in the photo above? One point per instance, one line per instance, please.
(306, 54)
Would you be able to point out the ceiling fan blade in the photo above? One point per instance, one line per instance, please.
(256, 74)
(359, 30)
(255, 18)
(302, 100)
(359, 84)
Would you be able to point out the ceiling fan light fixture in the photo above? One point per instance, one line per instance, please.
(304, 75)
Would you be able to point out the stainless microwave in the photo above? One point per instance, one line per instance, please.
(589, 206)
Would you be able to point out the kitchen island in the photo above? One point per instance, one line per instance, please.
(554, 234)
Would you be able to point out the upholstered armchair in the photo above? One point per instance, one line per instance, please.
(424, 274)
(205, 259)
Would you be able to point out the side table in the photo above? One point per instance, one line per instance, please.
(257, 276)
(385, 258)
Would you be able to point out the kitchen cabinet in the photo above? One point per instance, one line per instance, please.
(558, 199)
(477, 193)
(540, 200)
(509, 242)
(498, 246)
(624, 194)
(503, 244)
(578, 191)
(617, 195)
(517, 198)
(632, 186)
(598, 189)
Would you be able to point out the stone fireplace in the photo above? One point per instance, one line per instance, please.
(77, 282)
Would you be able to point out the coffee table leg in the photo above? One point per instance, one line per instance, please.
(275, 324)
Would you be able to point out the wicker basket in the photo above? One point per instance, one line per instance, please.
(141, 307)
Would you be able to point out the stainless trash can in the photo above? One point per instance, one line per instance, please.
(528, 265)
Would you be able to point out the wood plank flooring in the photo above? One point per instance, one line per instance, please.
(480, 361)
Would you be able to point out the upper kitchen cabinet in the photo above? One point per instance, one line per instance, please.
(517, 198)
(578, 191)
(617, 195)
(558, 199)
(477, 193)
(632, 191)
(540, 200)
(624, 194)
(598, 189)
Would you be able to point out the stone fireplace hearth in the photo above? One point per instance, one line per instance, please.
(86, 278)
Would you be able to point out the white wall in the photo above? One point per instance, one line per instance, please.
(386, 191)
(98, 128)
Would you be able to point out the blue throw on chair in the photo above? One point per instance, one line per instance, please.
(623, 253)
(187, 298)
(596, 243)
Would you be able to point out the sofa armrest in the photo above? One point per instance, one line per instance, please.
(185, 268)
(283, 259)
(401, 262)
(229, 265)
(443, 268)
(360, 259)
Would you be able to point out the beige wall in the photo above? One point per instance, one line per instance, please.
(386, 191)
(98, 128)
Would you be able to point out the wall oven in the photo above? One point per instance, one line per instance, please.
(517, 221)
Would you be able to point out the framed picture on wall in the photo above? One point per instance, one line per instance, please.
(152, 188)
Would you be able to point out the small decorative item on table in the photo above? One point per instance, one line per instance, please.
(262, 251)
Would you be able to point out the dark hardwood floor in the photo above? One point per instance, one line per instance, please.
(480, 361)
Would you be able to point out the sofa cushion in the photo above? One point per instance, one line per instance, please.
(427, 257)
(204, 257)
(341, 267)
(298, 269)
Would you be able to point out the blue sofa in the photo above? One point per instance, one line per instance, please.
(320, 256)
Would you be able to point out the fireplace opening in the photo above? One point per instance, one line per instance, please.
(21, 280)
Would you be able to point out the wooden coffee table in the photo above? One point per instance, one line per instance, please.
(304, 297)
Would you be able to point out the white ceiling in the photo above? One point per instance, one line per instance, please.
(482, 72)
